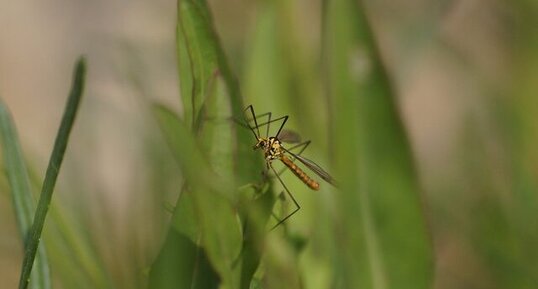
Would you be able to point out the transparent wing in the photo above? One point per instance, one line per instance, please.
(315, 168)
(289, 136)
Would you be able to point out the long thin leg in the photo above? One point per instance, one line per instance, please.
(305, 144)
(290, 195)
(269, 114)
(258, 116)
(251, 108)
(273, 120)
(255, 121)
(262, 124)
(268, 122)
(282, 125)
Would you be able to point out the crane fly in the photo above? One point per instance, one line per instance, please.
(274, 150)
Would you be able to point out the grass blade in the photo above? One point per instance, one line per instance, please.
(200, 57)
(188, 154)
(197, 56)
(385, 244)
(189, 262)
(210, 200)
(211, 96)
(21, 194)
(53, 169)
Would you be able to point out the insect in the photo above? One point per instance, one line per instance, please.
(273, 149)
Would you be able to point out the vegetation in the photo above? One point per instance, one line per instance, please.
(377, 229)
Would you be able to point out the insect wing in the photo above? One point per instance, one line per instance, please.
(315, 168)
(289, 136)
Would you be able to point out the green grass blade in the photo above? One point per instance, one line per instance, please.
(197, 55)
(525, 137)
(282, 70)
(506, 234)
(69, 238)
(191, 268)
(53, 169)
(21, 194)
(211, 97)
(210, 200)
(185, 76)
(490, 228)
(264, 80)
(385, 243)
(200, 58)
(194, 167)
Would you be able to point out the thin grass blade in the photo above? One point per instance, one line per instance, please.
(21, 194)
(60, 145)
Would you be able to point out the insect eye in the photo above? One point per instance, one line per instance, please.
(262, 143)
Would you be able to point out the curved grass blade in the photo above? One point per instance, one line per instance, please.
(203, 65)
(197, 57)
(186, 87)
(190, 265)
(200, 58)
(53, 169)
(21, 193)
(193, 164)
(258, 211)
(385, 242)
(210, 196)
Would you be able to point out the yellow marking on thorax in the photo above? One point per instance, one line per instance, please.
(272, 148)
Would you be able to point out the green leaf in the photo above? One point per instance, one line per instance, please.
(265, 79)
(197, 56)
(281, 71)
(185, 76)
(21, 194)
(188, 154)
(182, 264)
(55, 162)
(223, 159)
(385, 243)
(257, 212)
(209, 200)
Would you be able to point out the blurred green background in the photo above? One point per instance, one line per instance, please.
(424, 111)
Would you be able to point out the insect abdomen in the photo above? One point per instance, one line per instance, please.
(311, 183)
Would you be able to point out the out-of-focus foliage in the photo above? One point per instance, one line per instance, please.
(21, 194)
(425, 114)
(379, 234)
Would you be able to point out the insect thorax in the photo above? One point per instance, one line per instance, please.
(271, 146)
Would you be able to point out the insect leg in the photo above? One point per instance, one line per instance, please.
(251, 108)
(303, 147)
(289, 194)
(269, 115)
(264, 123)
(273, 120)
(282, 125)
(255, 121)
(268, 122)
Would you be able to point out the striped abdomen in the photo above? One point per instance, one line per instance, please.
(300, 173)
